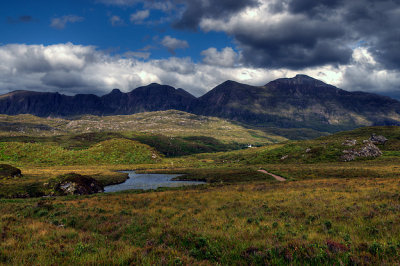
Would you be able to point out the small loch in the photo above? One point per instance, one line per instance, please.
(148, 181)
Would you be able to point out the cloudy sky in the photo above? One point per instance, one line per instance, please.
(93, 46)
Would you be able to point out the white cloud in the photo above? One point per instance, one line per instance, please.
(70, 69)
(365, 74)
(172, 44)
(139, 16)
(116, 21)
(61, 22)
(226, 58)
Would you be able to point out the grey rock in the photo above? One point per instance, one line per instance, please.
(378, 139)
(369, 150)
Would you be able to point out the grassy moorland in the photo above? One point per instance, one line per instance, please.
(323, 221)
(327, 212)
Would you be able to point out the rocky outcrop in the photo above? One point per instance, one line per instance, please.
(369, 150)
(75, 184)
(378, 139)
(8, 171)
(349, 142)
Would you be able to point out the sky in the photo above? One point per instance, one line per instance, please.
(94, 46)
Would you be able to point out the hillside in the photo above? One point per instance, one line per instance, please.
(167, 123)
(300, 102)
(327, 149)
(171, 133)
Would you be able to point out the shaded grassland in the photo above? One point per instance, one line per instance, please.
(330, 221)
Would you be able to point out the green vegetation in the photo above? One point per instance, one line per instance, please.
(327, 149)
(115, 151)
(327, 212)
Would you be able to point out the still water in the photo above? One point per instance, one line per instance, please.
(148, 181)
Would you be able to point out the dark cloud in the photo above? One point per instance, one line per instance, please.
(294, 44)
(302, 33)
(63, 80)
(377, 24)
(371, 22)
(196, 10)
(21, 19)
(313, 7)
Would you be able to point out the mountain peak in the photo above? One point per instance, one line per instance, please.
(303, 77)
(230, 83)
(116, 91)
(299, 79)
(154, 84)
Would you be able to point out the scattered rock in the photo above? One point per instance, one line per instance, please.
(369, 150)
(349, 142)
(308, 150)
(378, 139)
(75, 184)
(284, 157)
(9, 171)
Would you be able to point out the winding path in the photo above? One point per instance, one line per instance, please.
(277, 177)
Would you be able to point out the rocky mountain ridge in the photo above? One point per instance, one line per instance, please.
(299, 102)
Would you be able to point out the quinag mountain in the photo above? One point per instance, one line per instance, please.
(299, 102)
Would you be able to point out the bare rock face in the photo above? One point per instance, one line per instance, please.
(369, 150)
(378, 139)
(75, 184)
(8, 171)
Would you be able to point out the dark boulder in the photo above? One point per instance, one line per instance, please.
(9, 171)
(75, 184)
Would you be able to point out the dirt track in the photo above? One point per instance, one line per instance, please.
(277, 177)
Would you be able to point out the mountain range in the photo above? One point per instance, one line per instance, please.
(299, 102)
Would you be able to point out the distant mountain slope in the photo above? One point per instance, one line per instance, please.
(299, 102)
(153, 97)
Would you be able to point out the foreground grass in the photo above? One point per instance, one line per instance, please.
(331, 221)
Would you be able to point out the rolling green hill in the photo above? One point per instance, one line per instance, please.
(320, 150)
